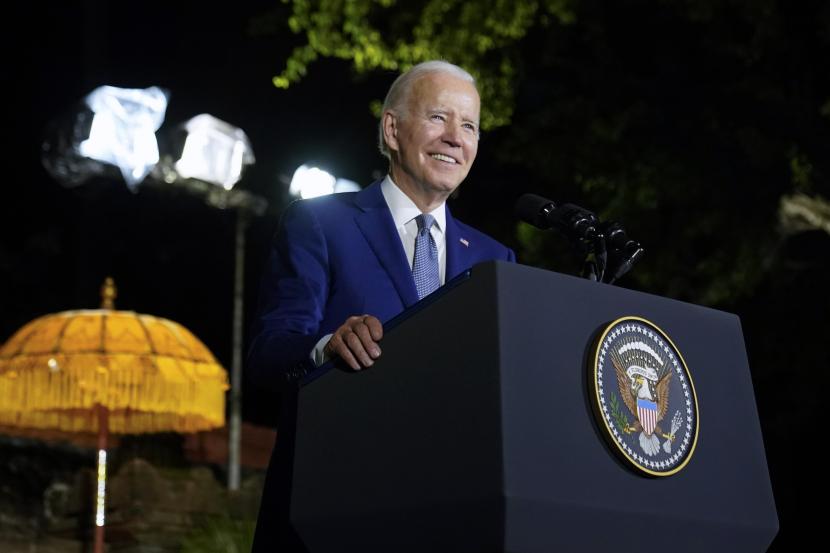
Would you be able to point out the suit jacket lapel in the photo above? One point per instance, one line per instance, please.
(459, 253)
(376, 223)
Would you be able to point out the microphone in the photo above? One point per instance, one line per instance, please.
(575, 222)
(619, 241)
(624, 251)
(610, 253)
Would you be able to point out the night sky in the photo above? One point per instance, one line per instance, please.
(170, 254)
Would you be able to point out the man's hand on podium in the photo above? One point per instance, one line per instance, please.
(356, 341)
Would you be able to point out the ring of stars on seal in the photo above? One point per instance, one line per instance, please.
(643, 397)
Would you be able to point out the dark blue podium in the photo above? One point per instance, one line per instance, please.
(474, 432)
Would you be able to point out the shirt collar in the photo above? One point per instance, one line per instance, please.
(404, 209)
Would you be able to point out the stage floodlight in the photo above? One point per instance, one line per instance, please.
(110, 131)
(123, 129)
(213, 151)
(345, 185)
(310, 182)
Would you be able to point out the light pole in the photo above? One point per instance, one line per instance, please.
(245, 205)
(210, 163)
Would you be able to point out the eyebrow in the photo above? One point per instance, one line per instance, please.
(444, 111)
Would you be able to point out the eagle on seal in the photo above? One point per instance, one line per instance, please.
(643, 378)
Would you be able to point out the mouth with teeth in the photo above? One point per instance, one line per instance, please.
(444, 158)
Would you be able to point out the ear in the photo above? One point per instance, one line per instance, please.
(390, 130)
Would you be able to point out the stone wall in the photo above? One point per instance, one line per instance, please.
(156, 502)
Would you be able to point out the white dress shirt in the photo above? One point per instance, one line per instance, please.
(404, 211)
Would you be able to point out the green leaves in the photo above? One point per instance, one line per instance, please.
(616, 413)
(220, 534)
(381, 34)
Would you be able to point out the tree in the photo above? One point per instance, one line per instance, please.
(383, 34)
(687, 121)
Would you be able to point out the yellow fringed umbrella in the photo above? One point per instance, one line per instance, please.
(105, 371)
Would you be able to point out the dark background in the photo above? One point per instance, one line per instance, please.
(172, 255)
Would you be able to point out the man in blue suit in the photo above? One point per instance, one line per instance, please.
(342, 265)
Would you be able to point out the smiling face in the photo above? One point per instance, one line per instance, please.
(433, 140)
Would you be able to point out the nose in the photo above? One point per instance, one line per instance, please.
(452, 136)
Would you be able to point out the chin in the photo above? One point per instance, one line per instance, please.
(445, 187)
(446, 183)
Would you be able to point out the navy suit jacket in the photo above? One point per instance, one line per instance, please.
(337, 256)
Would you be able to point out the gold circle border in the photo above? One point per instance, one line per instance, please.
(609, 435)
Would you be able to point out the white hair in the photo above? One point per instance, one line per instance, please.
(398, 93)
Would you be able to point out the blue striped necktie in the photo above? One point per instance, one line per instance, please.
(425, 265)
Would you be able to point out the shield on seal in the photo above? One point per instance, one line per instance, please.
(647, 413)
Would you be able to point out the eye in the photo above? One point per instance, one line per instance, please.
(438, 117)
(470, 127)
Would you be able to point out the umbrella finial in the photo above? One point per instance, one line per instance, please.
(108, 294)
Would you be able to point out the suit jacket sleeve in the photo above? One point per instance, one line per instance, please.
(293, 295)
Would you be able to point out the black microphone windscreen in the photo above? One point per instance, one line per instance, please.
(533, 209)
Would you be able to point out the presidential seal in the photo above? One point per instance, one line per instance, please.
(643, 397)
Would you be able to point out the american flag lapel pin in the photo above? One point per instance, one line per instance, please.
(463, 241)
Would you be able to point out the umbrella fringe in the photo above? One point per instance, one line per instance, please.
(143, 393)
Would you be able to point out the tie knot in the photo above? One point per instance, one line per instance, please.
(425, 221)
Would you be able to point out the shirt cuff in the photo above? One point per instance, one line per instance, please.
(318, 354)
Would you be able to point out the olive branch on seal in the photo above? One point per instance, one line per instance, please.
(616, 413)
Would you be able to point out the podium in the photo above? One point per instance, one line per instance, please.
(474, 432)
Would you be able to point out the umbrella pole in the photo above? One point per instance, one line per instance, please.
(101, 487)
